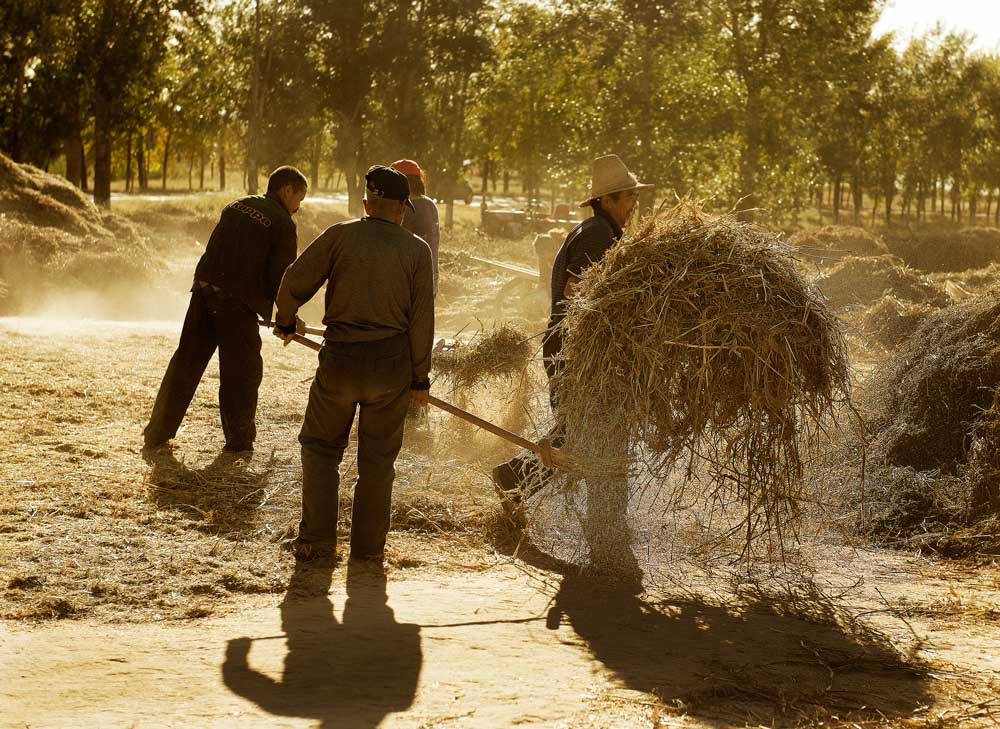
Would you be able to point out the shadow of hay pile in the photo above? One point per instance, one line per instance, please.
(758, 658)
(932, 417)
(53, 237)
(867, 280)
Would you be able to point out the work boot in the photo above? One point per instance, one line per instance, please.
(321, 554)
(508, 488)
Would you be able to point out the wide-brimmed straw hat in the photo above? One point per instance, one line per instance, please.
(611, 175)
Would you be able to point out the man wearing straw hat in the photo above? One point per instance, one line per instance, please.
(614, 196)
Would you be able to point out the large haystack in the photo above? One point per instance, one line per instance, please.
(697, 342)
(833, 242)
(31, 196)
(867, 280)
(933, 427)
(53, 237)
(945, 250)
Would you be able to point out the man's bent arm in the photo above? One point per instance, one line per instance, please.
(305, 277)
(422, 319)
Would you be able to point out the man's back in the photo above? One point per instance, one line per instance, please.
(250, 247)
(380, 284)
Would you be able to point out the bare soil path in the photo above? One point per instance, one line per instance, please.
(519, 647)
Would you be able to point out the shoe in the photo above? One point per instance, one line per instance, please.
(309, 552)
(148, 446)
(240, 449)
(508, 489)
(374, 558)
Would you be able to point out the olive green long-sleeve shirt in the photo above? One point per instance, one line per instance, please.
(380, 283)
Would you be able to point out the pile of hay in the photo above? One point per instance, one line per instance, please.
(947, 249)
(890, 321)
(502, 353)
(697, 343)
(867, 280)
(932, 420)
(833, 242)
(53, 237)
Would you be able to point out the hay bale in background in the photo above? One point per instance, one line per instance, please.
(933, 431)
(867, 280)
(504, 352)
(31, 196)
(833, 242)
(890, 321)
(696, 339)
(945, 250)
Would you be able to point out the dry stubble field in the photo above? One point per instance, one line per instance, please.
(115, 570)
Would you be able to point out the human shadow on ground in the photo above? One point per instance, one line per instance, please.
(221, 498)
(344, 675)
(762, 659)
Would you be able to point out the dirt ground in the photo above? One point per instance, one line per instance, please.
(155, 591)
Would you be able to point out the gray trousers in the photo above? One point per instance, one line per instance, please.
(373, 377)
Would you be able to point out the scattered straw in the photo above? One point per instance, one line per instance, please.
(502, 353)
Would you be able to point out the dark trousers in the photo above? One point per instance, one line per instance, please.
(373, 377)
(213, 321)
(524, 473)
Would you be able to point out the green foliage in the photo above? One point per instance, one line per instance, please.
(746, 102)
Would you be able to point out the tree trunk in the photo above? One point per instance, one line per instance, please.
(857, 197)
(973, 204)
(102, 151)
(836, 200)
(83, 169)
(191, 171)
(222, 158)
(314, 158)
(17, 108)
(128, 163)
(506, 182)
(485, 175)
(933, 196)
(74, 157)
(201, 166)
(254, 130)
(140, 162)
(749, 165)
(166, 156)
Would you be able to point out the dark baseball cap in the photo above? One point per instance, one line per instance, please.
(386, 182)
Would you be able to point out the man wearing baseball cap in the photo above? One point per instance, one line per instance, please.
(422, 220)
(376, 358)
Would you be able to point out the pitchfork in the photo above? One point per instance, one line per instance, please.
(550, 457)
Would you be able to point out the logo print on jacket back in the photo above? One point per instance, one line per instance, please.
(253, 213)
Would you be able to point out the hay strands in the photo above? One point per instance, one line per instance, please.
(550, 457)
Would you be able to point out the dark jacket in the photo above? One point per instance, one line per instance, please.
(252, 245)
(585, 245)
(422, 221)
(378, 285)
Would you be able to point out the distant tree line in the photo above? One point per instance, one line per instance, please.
(781, 104)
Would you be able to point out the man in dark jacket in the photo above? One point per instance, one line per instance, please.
(614, 195)
(235, 282)
(376, 358)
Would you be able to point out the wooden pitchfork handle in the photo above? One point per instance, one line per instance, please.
(307, 330)
(551, 457)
